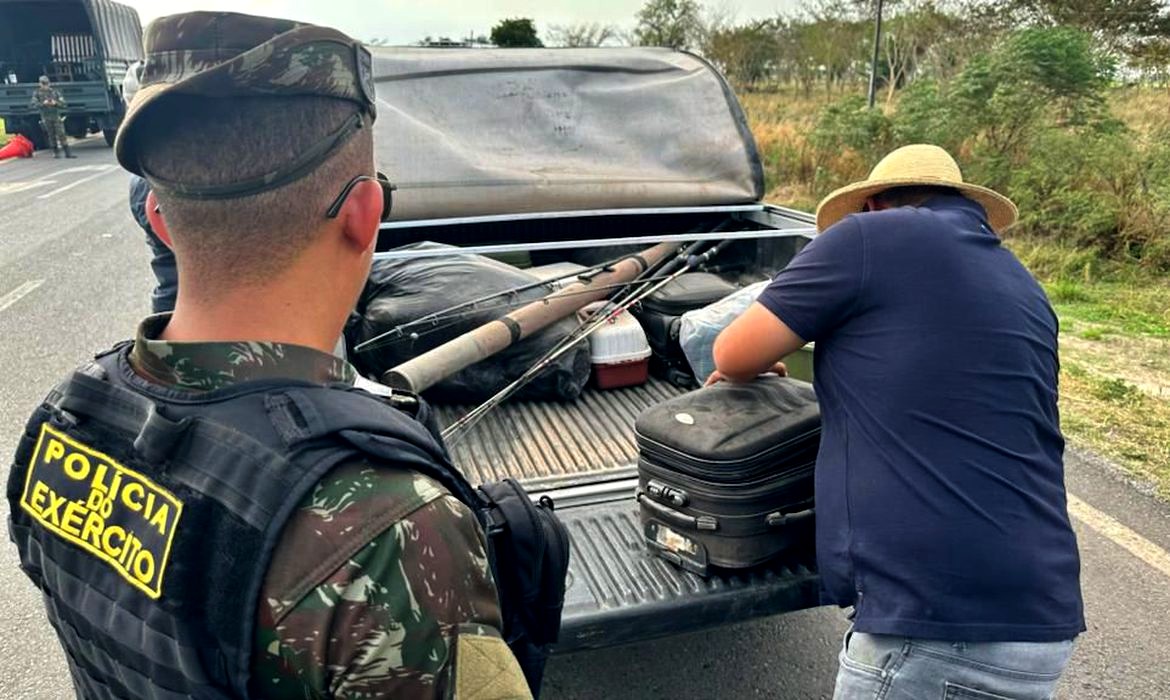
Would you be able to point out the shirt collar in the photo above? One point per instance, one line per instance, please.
(956, 201)
(209, 365)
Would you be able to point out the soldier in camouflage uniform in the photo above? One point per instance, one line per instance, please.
(49, 102)
(379, 585)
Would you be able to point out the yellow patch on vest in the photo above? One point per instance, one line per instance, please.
(109, 510)
(485, 669)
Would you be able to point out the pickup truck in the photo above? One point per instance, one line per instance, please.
(538, 156)
(84, 47)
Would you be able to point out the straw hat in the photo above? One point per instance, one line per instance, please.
(914, 166)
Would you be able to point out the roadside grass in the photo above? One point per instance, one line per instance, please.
(1115, 357)
(1115, 418)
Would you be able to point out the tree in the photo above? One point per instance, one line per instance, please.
(1152, 58)
(515, 33)
(1036, 76)
(747, 54)
(1120, 25)
(836, 36)
(581, 34)
(676, 24)
(908, 38)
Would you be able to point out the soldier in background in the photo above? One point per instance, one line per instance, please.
(241, 521)
(47, 99)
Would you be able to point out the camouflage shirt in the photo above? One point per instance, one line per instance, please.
(48, 100)
(380, 585)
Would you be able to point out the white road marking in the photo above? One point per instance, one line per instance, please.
(81, 169)
(22, 185)
(19, 293)
(104, 169)
(1109, 527)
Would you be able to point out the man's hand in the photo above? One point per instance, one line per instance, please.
(779, 368)
(715, 378)
(753, 344)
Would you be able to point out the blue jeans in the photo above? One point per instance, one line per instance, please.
(883, 667)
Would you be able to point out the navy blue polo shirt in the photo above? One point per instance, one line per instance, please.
(940, 496)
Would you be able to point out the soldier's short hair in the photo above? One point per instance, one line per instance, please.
(200, 140)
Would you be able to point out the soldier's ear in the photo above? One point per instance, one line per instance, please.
(155, 217)
(361, 214)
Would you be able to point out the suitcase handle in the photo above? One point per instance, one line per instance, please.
(703, 522)
(779, 519)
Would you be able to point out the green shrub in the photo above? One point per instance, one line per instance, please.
(1116, 390)
(850, 124)
(923, 116)
(1065, 291)
(1068, 188)
(1051, 261)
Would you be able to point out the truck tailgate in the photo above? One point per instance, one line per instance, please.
(618, 592)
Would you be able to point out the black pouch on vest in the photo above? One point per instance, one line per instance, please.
(660, 315)
(725, 473)
(531, 550)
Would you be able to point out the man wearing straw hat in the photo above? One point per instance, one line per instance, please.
(941, 514)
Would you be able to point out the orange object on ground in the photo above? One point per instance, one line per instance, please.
(18, 147)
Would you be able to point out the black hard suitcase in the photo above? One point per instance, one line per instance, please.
(660, 315)
(725, 473)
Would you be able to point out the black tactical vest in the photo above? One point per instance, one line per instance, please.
(148, 516)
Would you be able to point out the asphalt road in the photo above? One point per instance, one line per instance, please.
(74, 278)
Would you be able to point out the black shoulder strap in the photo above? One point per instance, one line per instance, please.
(305, 417)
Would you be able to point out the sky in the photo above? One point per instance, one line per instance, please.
(407, 21)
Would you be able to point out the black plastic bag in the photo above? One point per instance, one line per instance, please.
(401, 291)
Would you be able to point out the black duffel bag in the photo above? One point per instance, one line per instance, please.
(401, 291)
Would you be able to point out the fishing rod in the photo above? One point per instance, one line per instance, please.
(400, 329)
(675, 266)
(654, 273)
(423, 371)
(453, 431)
(455, 319)
(659, 271)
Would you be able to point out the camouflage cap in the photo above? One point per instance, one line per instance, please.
(225, 54)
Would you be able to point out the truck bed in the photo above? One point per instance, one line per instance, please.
(582, 454)
(546, 442)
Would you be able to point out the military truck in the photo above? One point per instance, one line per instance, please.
(84, 47)
(546, 155)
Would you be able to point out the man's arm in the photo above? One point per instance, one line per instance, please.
(411, 613)
(810, 298)
(753, 343)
